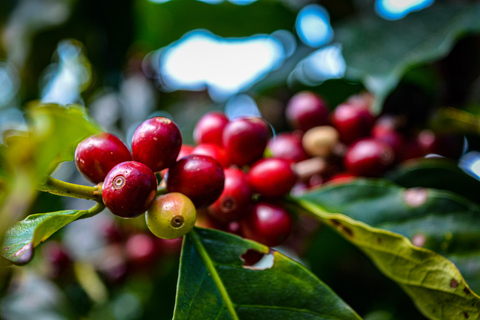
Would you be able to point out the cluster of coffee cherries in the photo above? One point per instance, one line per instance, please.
(129, 181)
(350, 141)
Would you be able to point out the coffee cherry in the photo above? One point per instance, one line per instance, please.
(368, 157)
(185, 150)
(235, 199)
(353, 121)
(319, 141)
(200, 178)
(57, 258)
(156, 143)
(171, 216)
(390, 136)
(272, 177)
(268, 223)
(306, 110)
(245, 140)
(129, 189)
(288, 146)
(98, 154)
(214, 151)
(209, 128)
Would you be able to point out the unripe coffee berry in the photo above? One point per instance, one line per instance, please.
(200, 178)
(209, 128)
(98, 154)
(245, 140)
(353, 121)
(156, 143)
(368, 157)
(272, 177)
(171, 216)
(319, 141)
(268, 223)
(288, 145)
(129, 189)
(235, 199)
(306, 110)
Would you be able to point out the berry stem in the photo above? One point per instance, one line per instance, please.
(97, 208)
(209, 264)
(66, 189)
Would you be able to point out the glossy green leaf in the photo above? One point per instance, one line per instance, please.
(380, 217)
(23, 237)
(446, 222)
(378, 52)
(432, 281)
(214, 284)
(439, 174)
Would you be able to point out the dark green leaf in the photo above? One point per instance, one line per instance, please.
(378, 52)
(214, 284)
(433, 282)
(21, 240)
(439, 174)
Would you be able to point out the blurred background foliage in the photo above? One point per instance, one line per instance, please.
(128, 60)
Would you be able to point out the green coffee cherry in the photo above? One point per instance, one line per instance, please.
(171, 216)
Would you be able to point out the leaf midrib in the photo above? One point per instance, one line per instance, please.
(197, 243)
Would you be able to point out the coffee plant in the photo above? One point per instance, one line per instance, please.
(343, 198)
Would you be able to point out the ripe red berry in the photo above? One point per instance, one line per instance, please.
(288, 146)
(235, 199)
(306, 110)
(141, 250)
(209, 128)
(98, 154)
(368, 157)
(129, 189)
(353, 121)
(58, 259)
(156, 143)
(214, 151)
(268, 223)
(245, 140)
(272, 177)
(390, 136)
(200, 178)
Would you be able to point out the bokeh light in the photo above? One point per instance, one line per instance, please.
(223, 65)
(397, 9)
(313, 26)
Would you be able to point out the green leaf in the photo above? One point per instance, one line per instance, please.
(378, 52)
(434, 218)
(214, 284)
(21, 240)
(56, 131)
(439, 174)
(447, 222)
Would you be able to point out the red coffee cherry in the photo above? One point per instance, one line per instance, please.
(214, 151)
(98, 154)
(235, 199)
(268, 223)
(390, 136)
(288, 146)
(200, 178)
(57, 258)
(141, 250)
(129, 189)
(368, 157)
(245, 140)
(209, 128)
(306, 110)
(272, 177)
(353, 121)
(156, 143)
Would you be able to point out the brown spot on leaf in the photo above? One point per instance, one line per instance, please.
(453, 283)
(466, 315)
(342, 228)
(336, 222)
(415, 197)
(379, 240)
(466, 290)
